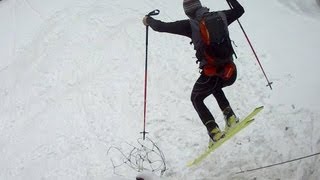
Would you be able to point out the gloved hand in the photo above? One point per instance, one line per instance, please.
(145, 21)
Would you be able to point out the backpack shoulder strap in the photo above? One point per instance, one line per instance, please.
(224, 17)
(194, 23)
(196, 37)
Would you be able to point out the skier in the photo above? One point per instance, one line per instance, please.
(211, 80)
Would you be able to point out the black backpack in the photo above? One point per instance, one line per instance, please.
(217, 48)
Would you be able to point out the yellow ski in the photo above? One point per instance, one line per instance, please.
(244, 123)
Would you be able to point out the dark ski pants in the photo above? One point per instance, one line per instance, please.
(204, 87)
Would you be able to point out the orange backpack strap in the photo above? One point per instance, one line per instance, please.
(204, 32)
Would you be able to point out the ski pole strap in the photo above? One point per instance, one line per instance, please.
(154, 12)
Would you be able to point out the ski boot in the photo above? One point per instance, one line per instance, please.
(215, 135)
(230, 119)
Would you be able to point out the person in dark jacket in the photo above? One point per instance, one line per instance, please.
(207, 84)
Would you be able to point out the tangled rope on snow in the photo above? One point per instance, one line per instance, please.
(146, 156)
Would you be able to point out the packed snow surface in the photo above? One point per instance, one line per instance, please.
(72, 86)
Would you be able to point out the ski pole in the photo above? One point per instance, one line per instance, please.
(152, 13)
(254, 52)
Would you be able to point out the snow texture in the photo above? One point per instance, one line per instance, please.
(72, 81)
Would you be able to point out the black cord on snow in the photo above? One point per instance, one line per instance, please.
(278, 164)
(146, 157)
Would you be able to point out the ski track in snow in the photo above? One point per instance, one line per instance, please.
(77, 89)
(70, 82)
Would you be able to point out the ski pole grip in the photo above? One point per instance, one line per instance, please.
(154, 12)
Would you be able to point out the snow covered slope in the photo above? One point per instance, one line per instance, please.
(71, 86)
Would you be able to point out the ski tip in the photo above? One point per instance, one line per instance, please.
(259, 108)
(251, 120)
